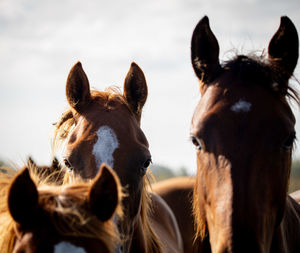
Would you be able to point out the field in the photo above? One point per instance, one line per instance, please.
(164, 172)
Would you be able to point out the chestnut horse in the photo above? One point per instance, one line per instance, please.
(54, 174)
(79, 217)
(243, 130)
(178, 193)
(105, 127)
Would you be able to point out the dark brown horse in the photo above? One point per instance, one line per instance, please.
(243, 132)
(105, 127)
(78, 217)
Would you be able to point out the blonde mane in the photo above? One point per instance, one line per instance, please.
(66, 208)
(7, 234)
(110, 97)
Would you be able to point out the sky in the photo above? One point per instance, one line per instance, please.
(41, 40)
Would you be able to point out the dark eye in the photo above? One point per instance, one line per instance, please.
(146, 165)
(289, 141)
(67, 164)
(196, 143)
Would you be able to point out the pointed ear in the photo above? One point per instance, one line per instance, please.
(135, 89)
(55, 164)
(23, 198)
(284, 47)
(104, 194)
(77, 88)
(205, 51)
(31, 162)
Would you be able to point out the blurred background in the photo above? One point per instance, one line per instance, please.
(41, 40)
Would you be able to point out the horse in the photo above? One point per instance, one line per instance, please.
(243, 130)
(178, 193)
(78, 217)
(55, 173)
(104, 126)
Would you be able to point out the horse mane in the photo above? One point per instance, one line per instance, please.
(252, 68)
(153, 244)
(199, 215)
(111, 97)
(65, 206)
(7, 234)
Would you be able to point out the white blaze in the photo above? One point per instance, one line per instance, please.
(105, 146)
(241, 106)
(66, 247)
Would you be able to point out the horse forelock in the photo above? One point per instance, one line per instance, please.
(109, 99)
(253, 68)
(68, 211)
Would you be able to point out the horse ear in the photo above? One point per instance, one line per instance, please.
(31, 162)
(104, 194)
(23, 198)
(55, 164)
(284, 47)
(77, 87)
(135, 89)
(205, 51)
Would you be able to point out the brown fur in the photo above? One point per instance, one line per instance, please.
(122, 113)
(178, 193)
(243, 129)
(111, 96)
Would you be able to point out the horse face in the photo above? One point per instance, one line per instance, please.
(243, 131)
(67, 219)
(107, 129)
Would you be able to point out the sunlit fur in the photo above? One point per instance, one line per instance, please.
(199, 214)
(65, 206)
(64, 126)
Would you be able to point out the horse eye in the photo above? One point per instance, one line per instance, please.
(289, 141)
(147, 163)
(67, 163)
(145, 166)
(196, 143)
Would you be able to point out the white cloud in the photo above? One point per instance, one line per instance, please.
(41, 40)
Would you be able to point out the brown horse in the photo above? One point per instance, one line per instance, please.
(54, 174)
(178, 193)
(37, 217)
(243, 131)
(105, 127)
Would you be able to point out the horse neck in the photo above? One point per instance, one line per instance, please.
(286, 237)
(140, 236)
(143, 237)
